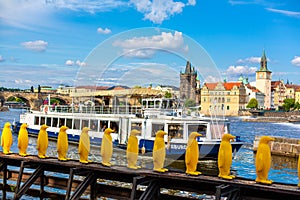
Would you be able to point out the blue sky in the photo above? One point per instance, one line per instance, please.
(52, 42)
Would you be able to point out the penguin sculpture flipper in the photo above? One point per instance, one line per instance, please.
(299, 170)
(188, 158)
(221, 161)
(259, 163)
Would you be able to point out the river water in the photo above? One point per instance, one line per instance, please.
(283, 170)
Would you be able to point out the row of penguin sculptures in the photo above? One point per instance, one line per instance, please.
(262, 161)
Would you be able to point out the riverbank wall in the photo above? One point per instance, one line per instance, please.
(281, 146)
(273, 116)
(4, 109)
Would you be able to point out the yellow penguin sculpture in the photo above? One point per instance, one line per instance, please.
(133, 149)
(23, 140)
(62, 144)
(159, 152)
(84, 146)
(192, 154)
(263, 160)
(107, 147)
(42, 142)
(225, 157)
(299, 170)
(6, 138)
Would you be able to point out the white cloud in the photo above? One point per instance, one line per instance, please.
(191, 2)
(38, 45)
(16, 12)
(140, 53)
(103, 31)
(78, 63)
(251, 60)
(285, 12)
(144, 47)
(159, 10)
(91, 6)
(69, 62)
(1, 58)
(296, 61)
(238, 70)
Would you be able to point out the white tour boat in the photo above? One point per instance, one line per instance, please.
(154, 114)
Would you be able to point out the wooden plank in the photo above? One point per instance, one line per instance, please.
(169, 180)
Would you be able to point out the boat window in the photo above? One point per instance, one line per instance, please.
(94, 125)
(227, 128)
(36, 120)
(150, 104)
(155, 128)
(69, 123)
(144, 104)
(114, 126)
(199, 128)
(164, 104)
(48, 121)
(103, 125)
(85, 123)
(157, 104)
(217, 130)
(175, 131)
(42, 120)
(61, 122)
(76, 124)
(136, 125)
(54, 122)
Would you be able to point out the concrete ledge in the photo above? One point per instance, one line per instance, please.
(281, 146)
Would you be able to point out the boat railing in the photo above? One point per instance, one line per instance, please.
(92, 109)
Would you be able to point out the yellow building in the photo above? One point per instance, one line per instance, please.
(278, 93)
(291, 91)
(297, 95)
(223, 98)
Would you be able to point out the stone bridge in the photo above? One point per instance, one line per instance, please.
(103, 97)
(32, 99)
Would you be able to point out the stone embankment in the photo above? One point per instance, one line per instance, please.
(281, 146)
(274, 116)
(4, 109)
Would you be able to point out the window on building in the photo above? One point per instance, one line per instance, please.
(228, 108)
(228, 99)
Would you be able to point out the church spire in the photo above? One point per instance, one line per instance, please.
(188, 68)
(263, 62)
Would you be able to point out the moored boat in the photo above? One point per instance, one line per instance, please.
(154, 114)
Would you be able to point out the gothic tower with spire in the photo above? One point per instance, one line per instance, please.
(263, 80)
(189, 86)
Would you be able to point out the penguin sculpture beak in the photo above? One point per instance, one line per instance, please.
(198, 135)
(232, 138)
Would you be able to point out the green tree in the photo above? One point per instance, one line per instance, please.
(252, 103)
(190, 103)
(288, 104)
(168, 94)
(297, 106)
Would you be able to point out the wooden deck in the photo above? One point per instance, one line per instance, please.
(93, 174)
